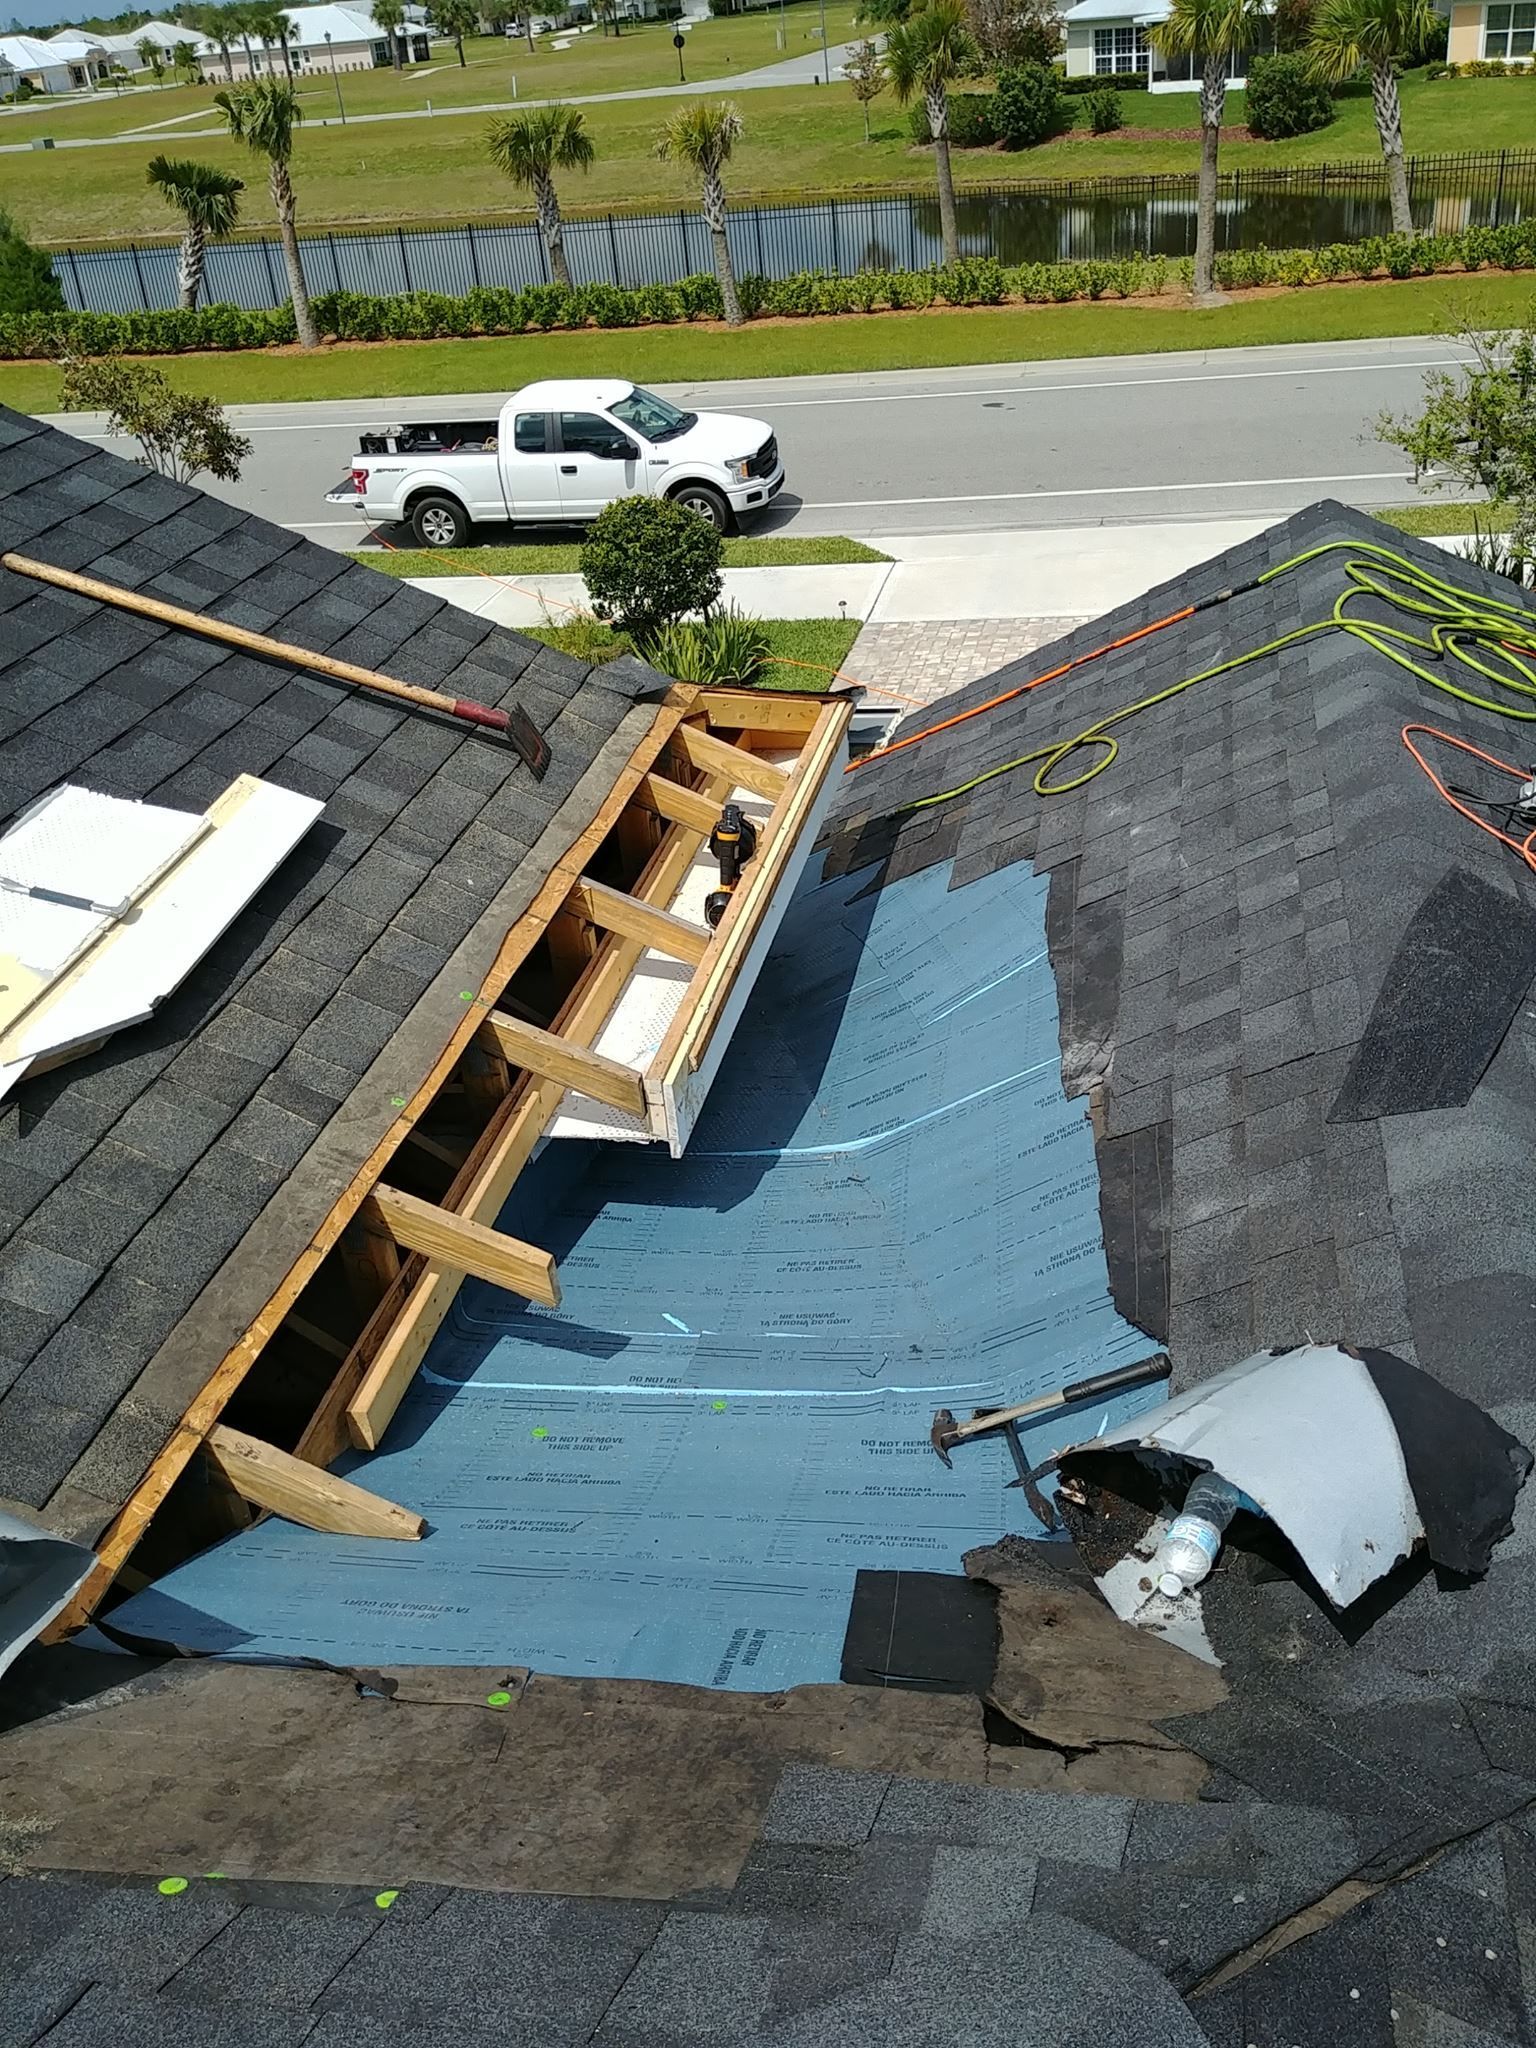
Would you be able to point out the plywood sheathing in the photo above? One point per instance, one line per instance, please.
(606, 1788)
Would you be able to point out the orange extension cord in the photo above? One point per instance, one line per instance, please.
(1526, 848)
(1022, 689)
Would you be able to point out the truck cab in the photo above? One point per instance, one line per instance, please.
(557, 453)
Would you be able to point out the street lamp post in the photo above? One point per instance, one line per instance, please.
(826, 70)
(336, 80)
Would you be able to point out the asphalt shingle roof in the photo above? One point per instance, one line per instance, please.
(128, 1179)
(1226, 900)
(1225, 904)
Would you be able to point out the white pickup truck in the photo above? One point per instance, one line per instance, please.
(559, 452)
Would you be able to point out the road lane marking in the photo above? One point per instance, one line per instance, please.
(1258, 483)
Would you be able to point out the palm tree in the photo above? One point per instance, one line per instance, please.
(270, 25)
(529, 149)
(208, 201)
(239, 20)
(185, 65)
(390, 16)
(457, 19)
(211, 23)
(702, 136)
(1348, 35)
(926, 54)
(263, 115)
(147, 50)
(1213, 31)
(282, 28)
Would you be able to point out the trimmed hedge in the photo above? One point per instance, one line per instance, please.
(540, 309)
(1482, 67)
(1113, 81)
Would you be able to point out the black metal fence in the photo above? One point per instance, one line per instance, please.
(1045, 221)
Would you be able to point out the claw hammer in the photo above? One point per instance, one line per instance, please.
(946, 1432)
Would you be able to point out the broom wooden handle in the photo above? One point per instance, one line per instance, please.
(516, 726)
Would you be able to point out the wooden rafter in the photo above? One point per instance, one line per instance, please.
(541, 1052)
(270, 1478)
(676, 802)
(613, 910)
(719, 757)
(467, 1246)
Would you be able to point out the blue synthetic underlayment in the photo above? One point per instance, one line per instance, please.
(888, 1206)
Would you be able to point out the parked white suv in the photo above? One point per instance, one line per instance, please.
(558, 453)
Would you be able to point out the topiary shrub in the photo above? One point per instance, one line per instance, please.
(1029, 106)
(1104, 115)
(1285, 99)
(27, 282)
(648, 561)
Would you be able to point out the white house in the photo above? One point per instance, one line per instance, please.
(347, 38)
(1108, 36)
(124, 49)
(64, 64)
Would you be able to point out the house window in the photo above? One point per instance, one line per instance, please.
(1119, 49)
(1510, 31)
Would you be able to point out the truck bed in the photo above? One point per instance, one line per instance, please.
(433, 437)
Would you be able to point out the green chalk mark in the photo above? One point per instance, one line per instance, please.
(384, 1900)
(168, 1887)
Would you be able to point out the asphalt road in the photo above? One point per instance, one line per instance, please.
(1230, 433)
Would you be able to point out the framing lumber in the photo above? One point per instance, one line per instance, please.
(541, 1052)
(469, 1247)
(372, 1385)
(718, 757)
(316, 1338)
(694, 1026)
(674, 801)
(370, 1259)
(270, 1478)
(614, 911)
(777, 711)
(123, 1533)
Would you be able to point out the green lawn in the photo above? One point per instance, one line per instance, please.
(1457, 518)
(856, 343)
(564, 557)
(799, 140)
(808, 654)
(642, 56)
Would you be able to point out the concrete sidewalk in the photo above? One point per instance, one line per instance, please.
(946, 608)
(1017, 575)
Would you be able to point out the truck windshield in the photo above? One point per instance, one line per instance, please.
(654, 417)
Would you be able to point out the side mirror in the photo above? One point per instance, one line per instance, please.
(621, 450)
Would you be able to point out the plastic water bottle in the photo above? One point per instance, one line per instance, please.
(1187, 1552)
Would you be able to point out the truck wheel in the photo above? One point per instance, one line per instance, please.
(708, 503)
(439, 522)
